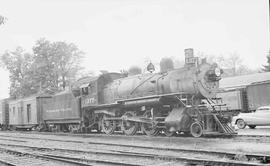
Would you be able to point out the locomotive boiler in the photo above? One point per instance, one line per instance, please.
(167, 102)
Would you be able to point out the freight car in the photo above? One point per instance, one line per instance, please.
(258, 94)
(246, 98)
(234, 99)
(26, 113)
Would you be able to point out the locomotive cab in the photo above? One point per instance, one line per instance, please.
(93, 92)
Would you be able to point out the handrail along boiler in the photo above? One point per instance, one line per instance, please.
(168, 102)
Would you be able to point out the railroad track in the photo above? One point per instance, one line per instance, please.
(5, 163)
(59, 158)
(264, 138)
(231, 155)
(61, 155)
(255, 158)
(220, 157)
(254, 136)
(16, 158)
(145, 136)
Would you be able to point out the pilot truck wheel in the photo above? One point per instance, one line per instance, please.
(196, 129)
(168, 133)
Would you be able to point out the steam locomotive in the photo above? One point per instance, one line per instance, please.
(169, 102)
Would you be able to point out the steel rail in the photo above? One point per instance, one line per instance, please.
(144, 155)
(64, 159)
(67, 159)
(5, 163)
(261, 157)
(137, 135)
(40, 156)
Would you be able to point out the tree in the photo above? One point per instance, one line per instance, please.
(18, 63)
(266, 68)
(166, 64)
(2, 20)
(244, 70)
(51, 68)
(56, 63)
(233, 62)
(177, 63)
(134, 70)
(85, 73)
(231, 65)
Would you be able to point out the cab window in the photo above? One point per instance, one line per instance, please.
(85, 90)
(92, 88)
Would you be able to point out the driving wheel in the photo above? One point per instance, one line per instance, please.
(108, 126)
(147, 128)
(129, 127)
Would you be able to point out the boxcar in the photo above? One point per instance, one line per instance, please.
(26, 113)
(258, 95)
(235, 99)
(248, 98)
(62, 112)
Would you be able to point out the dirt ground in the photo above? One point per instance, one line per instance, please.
(259, 130)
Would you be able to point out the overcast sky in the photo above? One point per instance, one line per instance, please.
(116, 34)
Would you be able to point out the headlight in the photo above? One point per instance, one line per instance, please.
(217, 72)
(214, 74)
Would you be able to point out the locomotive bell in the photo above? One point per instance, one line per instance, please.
(150, 67)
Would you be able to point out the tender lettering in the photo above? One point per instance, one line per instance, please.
(59, 110)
